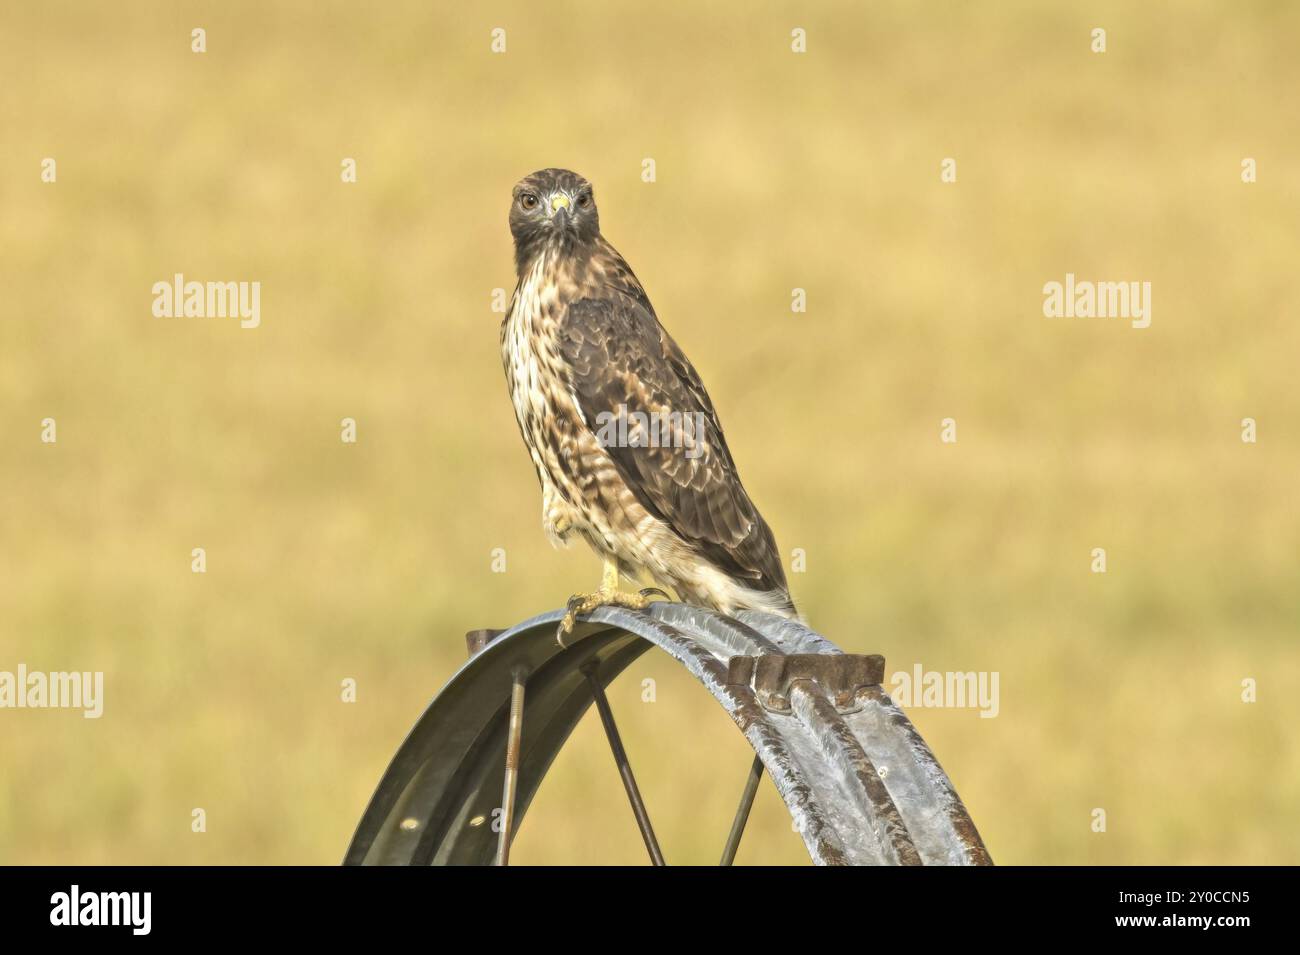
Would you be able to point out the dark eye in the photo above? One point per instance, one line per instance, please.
(584, 200)
(528, 201)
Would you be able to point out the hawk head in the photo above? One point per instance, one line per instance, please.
(551, 206)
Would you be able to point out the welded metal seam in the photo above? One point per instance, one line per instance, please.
(844, 751)
(952, 806)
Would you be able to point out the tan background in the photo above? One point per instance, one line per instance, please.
(775, 170)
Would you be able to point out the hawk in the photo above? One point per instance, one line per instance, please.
(626, 443)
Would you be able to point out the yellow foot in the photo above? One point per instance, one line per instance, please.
(585, 603)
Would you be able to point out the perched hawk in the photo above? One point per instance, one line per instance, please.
(625, 440)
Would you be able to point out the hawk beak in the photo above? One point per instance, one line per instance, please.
(560, 210)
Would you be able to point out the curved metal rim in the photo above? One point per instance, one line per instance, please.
(860, 783)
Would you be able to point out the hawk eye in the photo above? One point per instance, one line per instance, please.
(584, 200)
(528, 201)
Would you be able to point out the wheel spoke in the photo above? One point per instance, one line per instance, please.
(511, 783)
(742, 812)
(625, 769)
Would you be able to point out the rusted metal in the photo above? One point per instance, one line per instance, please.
(878, 714)
(742, 812)
(860, 783)
(510, 783)
(843, 750)
(772, 674)
(624, 768)
(476, 640)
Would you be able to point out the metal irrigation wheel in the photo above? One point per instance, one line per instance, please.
(860, 783)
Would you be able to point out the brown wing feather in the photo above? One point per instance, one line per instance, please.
(619, 355)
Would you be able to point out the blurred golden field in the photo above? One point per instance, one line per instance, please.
(775, 170)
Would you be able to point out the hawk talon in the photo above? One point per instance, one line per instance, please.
(651, 591)
(585, 603)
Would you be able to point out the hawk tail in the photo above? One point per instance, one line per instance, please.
(776, 601)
